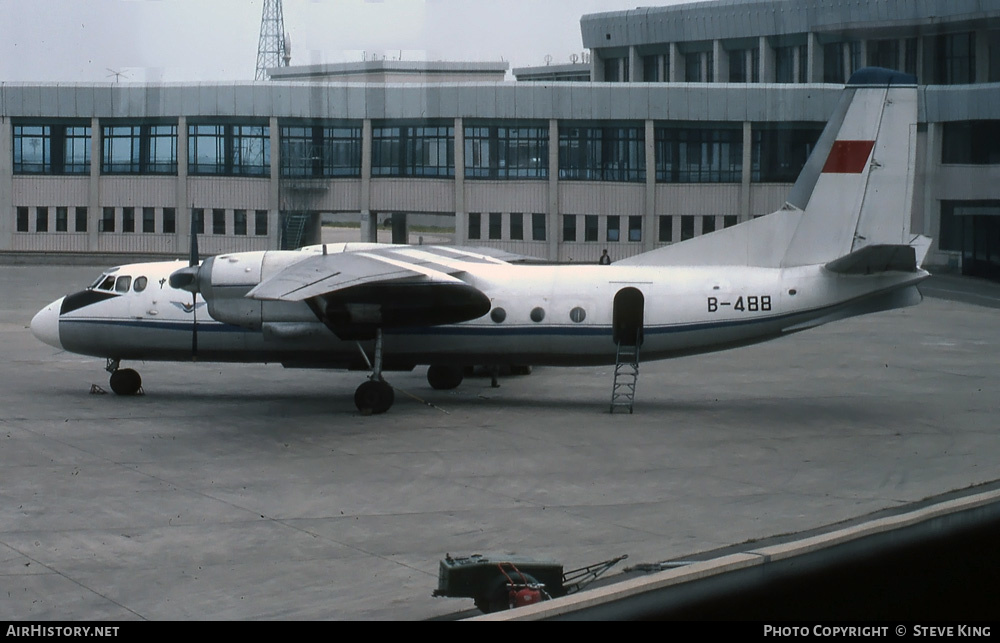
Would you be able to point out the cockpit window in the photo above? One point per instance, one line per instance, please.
(123, 284)
(140, 284)
(107, 284)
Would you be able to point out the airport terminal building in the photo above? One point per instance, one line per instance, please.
(697, 117)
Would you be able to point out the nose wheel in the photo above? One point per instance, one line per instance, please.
(376, 395)
(124, 381)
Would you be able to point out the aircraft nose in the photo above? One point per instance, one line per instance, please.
(45, 324)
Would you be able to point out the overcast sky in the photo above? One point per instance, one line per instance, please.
(216, 40)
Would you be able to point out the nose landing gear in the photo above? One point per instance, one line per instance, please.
(124, 381)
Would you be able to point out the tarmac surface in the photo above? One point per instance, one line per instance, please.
(255, 492)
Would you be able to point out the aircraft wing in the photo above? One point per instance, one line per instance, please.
(356, 292)
(328, 273)
(324, 274)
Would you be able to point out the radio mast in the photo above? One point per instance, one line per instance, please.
(274, 48)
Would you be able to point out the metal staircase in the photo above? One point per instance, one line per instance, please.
(626, 375)
(294, 230)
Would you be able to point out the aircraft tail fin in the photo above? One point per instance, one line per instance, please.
(855, 190)
(861, 194)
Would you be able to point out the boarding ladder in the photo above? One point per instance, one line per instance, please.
(626, 375)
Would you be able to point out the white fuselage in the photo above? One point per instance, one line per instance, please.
(542, 315)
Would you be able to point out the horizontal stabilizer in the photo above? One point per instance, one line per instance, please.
(875, 259)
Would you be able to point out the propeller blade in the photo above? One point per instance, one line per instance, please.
(187, 278)
(194, 261)
(194, 327)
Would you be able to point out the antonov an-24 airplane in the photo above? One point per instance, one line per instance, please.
(839, 247)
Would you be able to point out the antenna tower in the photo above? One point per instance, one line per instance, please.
(272, 49)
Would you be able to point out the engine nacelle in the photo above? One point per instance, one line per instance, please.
(225, 280)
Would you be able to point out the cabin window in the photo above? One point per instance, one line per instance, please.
(577, 315)
(537, 314)
(140, 284)
(498, 315)
(123, 284)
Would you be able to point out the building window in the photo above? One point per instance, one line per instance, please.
(41, 219)
(699, 67)
(207, 149)
(32, 149)
(666, 232)
(496, 225)
(538, 226)
(499, 152)
(602, 153)
(108, 220)
(198, 219)
(318, 151)
(475, 225)
(833, 63)
(260, 223)
(81, 219)
(128, 219)
(51, 149)
(956, 59)
(413, 151)
(614, 229)
(993, 49)
(707, 224)
(778, 153)
(687, 227)
(231, 150)
(62, 219)
(140, 149)
(240, 222)
(251, 150)
(22, 219)
(790, 64)
(516, 226)
(218, 221)
(656, 68)
(744, 65)
(635, 228)
(148, 220)
(971, 143)
(569, 227)
(169, 221)
(590, 223)
(910, 56)
(884, 53)
(729, 220)
(616, 70)
(699, 155)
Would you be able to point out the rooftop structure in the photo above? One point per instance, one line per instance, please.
(395, 71)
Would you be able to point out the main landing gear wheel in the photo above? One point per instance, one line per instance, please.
(125, 381)
(443, 378)
(374, 397)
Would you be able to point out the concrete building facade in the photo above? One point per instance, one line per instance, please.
(700, 117)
